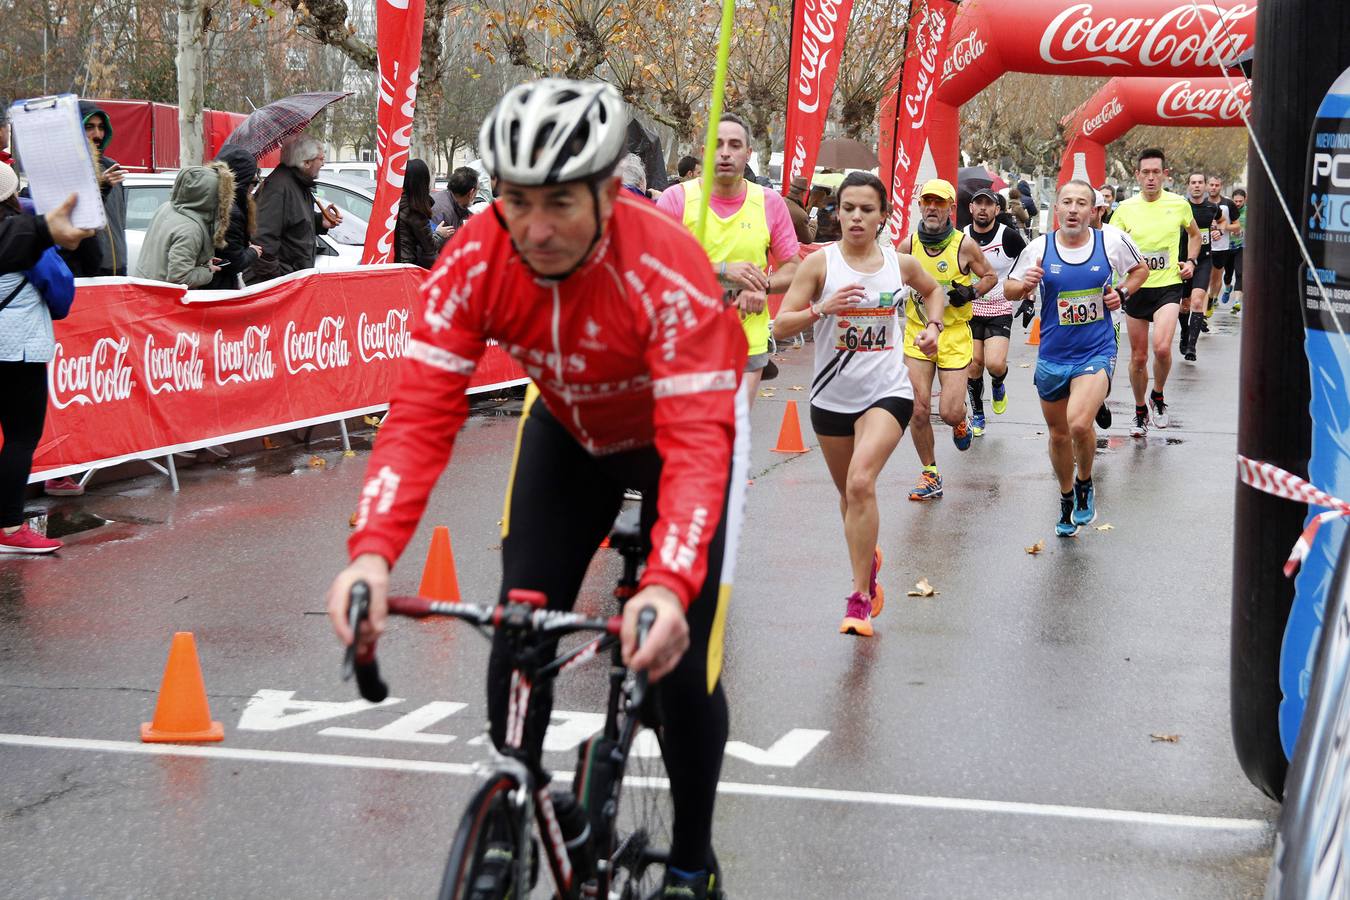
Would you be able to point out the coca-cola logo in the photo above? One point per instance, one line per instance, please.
(382, 339)
(399, 145)
(1181, 38)
(246, 358)
(928, 40)
(177, 368)
(315, 349)
(820, 18)
(1108, 112)
(964, 52)
(100, 376)
(1185, 100)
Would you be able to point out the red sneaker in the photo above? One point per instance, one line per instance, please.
(26, 540)
(62, 487)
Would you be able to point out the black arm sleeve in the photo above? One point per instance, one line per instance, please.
(1013, 243)
(23, 239)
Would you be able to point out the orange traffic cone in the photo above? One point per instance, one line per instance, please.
(182, 713)
(790, 433)
(439, 581)
(1034, 336)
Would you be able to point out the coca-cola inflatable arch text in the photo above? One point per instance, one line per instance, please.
(1123, 103)
(1175, 38)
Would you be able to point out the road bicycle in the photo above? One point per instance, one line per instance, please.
(620, 786)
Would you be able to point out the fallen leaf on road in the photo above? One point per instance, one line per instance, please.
(1106, 527)
(373, 422)
(797, 387)
(317, 462)
(1025, 366)
(766, 393)
(1165, 738)
(268, 445)
(348, 454)
(923, 589)
(1036, 547)
(351, 523)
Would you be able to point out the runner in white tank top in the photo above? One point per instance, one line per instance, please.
(991, 325)
(861, 398)
(857, 358)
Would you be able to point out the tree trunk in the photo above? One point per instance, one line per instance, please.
(191, 88)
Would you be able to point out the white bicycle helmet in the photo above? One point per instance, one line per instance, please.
(553, 131)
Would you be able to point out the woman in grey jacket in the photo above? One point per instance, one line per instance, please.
(26, 346)
(181, 242)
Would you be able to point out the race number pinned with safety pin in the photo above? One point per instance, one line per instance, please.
(1081, 307)
(866, 329)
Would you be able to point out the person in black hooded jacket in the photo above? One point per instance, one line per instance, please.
(417, 242)
(112, 238)
(239, 250)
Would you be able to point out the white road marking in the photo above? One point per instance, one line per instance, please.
(778, 791)
(407, 727)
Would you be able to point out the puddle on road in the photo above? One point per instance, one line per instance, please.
(1112, 443)
(65, 521)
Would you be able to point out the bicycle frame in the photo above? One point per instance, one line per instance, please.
(522, 621)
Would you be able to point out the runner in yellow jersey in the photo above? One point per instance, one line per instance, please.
(956, 262)
(746, 224)
(1154, 218)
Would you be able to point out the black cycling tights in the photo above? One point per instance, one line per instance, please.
(23, 409)
(562, 504)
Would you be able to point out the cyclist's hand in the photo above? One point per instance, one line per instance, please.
(374, 571)
(667, 640)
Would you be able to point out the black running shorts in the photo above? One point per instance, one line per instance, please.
(837, 424)
(1143, 303)
(1199, 280)
(985, 327)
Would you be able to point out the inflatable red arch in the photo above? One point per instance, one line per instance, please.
(1177, 38)
(1123, 103)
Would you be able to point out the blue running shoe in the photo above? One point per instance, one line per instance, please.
(928, 488)
(976, 424)
(961, 435)
(1066, 527)
(1085, 502)
(1000, 398)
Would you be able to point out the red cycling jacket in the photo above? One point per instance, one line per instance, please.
(634, 348)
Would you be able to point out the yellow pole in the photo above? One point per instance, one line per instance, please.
(715, 112)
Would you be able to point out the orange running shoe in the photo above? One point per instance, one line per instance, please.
(928, 488)
(858, 616)
(877, 591)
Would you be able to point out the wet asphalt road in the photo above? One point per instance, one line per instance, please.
(991, 741)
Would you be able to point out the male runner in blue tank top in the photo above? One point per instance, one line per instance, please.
(1074, 267)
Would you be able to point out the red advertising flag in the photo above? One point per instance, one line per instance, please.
(398, 42)
(818, 31)
(930, 29)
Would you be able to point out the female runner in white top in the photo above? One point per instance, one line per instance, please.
(853, 293)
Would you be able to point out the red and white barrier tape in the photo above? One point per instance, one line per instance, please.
(1279, 483)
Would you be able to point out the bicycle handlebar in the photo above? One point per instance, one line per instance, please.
(529, 618)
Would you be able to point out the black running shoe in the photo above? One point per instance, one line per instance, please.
(1104, 416)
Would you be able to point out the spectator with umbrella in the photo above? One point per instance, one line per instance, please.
(239, 251)
(289, 219)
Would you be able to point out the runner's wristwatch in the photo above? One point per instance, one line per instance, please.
(935, 322)
(1123, 294)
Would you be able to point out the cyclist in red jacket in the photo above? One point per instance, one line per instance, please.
(612, 309)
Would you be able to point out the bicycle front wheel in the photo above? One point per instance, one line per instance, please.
(642, 825)
(483, 859)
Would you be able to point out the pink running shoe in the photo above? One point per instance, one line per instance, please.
(858, 616)
(26, 540)
(877, 591)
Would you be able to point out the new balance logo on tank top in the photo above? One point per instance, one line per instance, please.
(1075, 323)
(858, 351)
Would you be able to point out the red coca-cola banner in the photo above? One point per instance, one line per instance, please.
(818, 31)
(398, 43)
(1123, 103)
(143, 369)
(904, 114)
(1177, 38)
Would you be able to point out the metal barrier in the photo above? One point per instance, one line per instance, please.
(1312, 846)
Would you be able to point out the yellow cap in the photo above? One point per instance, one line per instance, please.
(938, 187)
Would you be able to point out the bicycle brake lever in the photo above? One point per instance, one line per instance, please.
(646, 618)
(367, 671)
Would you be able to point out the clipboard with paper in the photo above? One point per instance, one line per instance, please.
(52, 148)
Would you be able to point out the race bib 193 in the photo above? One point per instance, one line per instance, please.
(1080, 307)
(1157, 260)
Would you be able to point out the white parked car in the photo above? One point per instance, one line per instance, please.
(340, 248)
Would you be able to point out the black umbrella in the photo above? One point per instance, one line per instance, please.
(970, 179)
(268, 128)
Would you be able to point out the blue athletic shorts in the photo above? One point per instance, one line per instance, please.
(1052, 378)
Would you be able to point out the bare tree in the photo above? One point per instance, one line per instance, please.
(873, 52)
